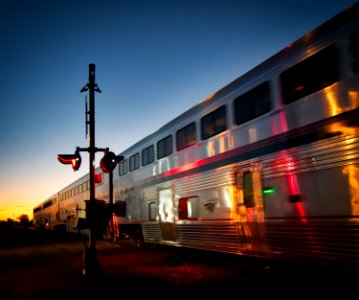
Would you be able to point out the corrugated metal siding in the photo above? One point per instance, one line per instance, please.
(206, 180)
(151, 232)
(326, 241)
(223, 236)
(334, 152)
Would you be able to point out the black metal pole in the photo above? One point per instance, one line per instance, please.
(92, 145)
(111, 204)
(91, 262)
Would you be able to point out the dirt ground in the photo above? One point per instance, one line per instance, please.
(44, 265)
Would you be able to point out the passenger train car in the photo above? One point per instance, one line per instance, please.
(267, 166)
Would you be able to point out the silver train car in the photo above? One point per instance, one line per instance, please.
(266, 166)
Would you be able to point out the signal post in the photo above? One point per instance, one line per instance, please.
(90, 256)
(108, 163)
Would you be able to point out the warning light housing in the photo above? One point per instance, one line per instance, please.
(109, 161)
(70, 159)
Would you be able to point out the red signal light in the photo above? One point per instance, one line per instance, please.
(98, 178)
(70, 159)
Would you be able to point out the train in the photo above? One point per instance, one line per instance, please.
(266, 166)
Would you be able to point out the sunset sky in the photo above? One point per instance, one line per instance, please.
(154, 60)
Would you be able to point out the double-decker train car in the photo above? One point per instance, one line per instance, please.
(266, 166)
(45, 214)
(62, 210)
(66, 210)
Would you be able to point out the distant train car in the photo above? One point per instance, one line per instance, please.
(45, 215)
(66, 210)
(266, 166)
(37, 216)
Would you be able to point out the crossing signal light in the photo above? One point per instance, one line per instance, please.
(98, 178)
(70, 159)
(109, 161)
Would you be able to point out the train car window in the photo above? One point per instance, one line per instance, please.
(120, 208)
(188, 208)
(47, 204)
(123, 168)
(148, 155)
(152, 211)
(252, 104)
(164, 147)
(37, 209)
(186, 136)
(84, 187)
(247, 184)
(134, 162)
(310, 75)
(354, 45)
(214, 123)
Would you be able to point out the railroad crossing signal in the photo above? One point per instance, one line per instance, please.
(109, 161)
(71, 159)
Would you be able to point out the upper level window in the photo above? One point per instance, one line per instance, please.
(164, 147)
(214, 123)
(123, 167)
(310, 75)
(354, 45)
(47, 204)
(252, 104)
(186, 136)
(37, 209)
(148, 155)
(134, 162)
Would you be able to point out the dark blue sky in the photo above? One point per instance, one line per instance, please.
(154, 60)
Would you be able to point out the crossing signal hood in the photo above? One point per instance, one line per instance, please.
(109, 161)
(70, 159)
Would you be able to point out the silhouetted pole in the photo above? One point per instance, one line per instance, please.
(111, 204)
(92, 151)
(90, 257)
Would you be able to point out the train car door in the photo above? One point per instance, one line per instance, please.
(166, 215)
(250, 209)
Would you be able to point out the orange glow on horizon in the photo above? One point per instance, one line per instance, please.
(13, 211)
